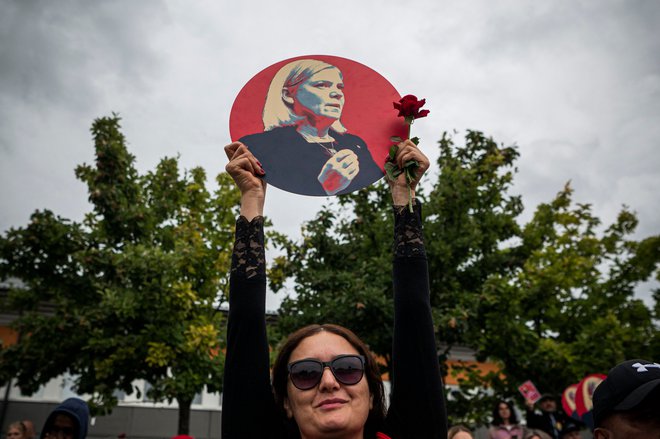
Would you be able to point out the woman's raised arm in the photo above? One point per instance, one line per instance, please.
(247, 393)
(417, 407)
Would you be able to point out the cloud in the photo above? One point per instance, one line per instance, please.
(576, 84)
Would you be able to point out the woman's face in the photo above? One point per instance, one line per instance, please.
(504, 411)
(321, 96)
(329, 408)
(14, 433)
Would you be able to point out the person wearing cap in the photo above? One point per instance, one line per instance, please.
(550, 420)
(627, 403)
(68, 421)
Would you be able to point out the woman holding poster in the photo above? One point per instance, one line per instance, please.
(325, 381)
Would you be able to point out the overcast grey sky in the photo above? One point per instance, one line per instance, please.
(575, 84)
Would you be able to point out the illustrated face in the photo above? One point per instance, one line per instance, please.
(504, 411)
(330, 407)
(321, 96)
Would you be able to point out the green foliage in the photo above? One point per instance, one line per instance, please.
(131, 292)
(341, 267)
(551, 300)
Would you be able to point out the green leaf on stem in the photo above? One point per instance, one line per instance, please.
(393, 150)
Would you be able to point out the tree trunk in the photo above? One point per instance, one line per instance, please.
(184, 415)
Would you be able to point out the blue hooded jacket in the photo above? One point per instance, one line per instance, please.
(74, 407)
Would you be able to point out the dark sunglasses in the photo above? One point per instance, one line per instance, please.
(347, 369)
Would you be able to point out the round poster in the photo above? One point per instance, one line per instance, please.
(319, 125)
(568, 401)
(583, 397)
(584, 392)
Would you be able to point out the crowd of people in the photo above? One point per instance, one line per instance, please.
(545, 423)
(626, 405)
(69, 420)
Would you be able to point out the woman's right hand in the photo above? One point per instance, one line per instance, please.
(246, 171)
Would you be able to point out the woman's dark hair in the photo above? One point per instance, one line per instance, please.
(376, 415)
(497, 419)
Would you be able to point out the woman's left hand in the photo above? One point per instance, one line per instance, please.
(338, 171)
(407, 151)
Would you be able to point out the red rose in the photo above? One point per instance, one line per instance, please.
(409, 106)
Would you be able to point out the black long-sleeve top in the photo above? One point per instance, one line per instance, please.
(417, 405)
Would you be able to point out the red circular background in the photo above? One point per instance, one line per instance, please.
(368, 111)
(568, 399)
(585, 391)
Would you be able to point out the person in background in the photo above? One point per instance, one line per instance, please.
(69, 420)
(536, 434)
(627, 403)
(29, 429)
(16, 430)
(551, 420)
(505, 423)
(571, 431)
(459, 432)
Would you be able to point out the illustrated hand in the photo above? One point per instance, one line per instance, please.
(407, 151)
(245, 170)
(338, 172)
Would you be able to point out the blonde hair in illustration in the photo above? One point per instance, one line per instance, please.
(278, 113)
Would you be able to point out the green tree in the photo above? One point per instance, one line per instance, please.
(550, 300)
(342, 269)
(569, 310)
(132, 291)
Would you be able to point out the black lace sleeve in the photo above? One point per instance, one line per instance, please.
(417, 405)
(408, 237)
(247, 392)
(248, 258)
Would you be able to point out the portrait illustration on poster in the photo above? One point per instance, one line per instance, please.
(319, 125)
